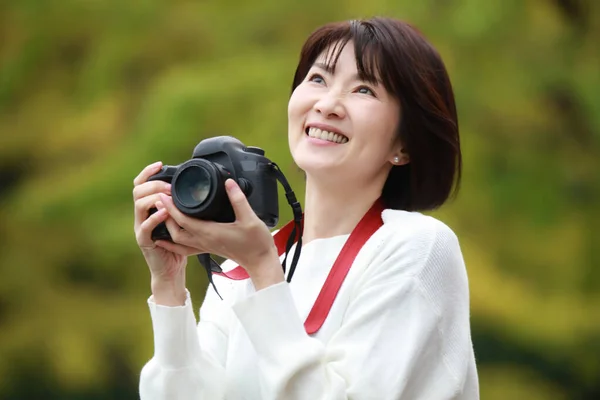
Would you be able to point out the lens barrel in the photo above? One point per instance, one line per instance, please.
(193, 186)
(198, 189)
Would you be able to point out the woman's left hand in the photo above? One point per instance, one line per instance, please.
(246, 241)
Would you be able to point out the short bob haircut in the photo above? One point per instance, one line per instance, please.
(412, 71)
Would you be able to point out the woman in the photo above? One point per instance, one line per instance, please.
(372, 121)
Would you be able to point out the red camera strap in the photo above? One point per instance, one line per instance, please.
(367, 226)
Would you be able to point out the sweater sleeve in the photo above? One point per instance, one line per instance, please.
(405, 334)
(189, 359)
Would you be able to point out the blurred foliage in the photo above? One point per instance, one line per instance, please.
(92, 91)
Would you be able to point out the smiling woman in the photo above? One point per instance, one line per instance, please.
(372, 122)
(410, 91)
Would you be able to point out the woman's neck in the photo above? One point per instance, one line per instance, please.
(332, 211)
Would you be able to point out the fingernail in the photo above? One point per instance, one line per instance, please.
(231, 186)
(159, 205)
(156, 164)
(168, 187)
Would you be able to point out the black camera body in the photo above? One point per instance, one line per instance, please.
(198, 184)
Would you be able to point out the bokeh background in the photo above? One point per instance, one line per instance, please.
(91, 91)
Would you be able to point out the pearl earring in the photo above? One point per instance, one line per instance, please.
(396, 159)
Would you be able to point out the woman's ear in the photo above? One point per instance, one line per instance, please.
(401, 159)
(400, 155)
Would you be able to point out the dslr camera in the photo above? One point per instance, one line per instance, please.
(198, 184)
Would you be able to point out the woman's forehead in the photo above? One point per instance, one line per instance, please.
(330, 54)
(364, 60)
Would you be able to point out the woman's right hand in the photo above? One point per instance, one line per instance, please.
(167, 269)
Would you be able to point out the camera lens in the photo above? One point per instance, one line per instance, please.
(193, 186)
(198, 190)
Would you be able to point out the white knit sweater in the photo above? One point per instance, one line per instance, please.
(398, 329)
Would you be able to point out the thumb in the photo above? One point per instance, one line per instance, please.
(238, 200)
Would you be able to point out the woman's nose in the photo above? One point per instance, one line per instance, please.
(330, 105)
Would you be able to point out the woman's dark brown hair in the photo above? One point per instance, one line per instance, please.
(412, 71)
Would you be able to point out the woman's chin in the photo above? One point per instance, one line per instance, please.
(310, 163)
(321, 170)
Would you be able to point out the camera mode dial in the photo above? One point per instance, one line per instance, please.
(255, 150)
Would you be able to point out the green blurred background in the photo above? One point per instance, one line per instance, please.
(91, 91)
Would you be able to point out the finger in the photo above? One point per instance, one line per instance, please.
(148, 188)
(147, 173)
(144, 233)
(238, 200)
(178, 235)
(142, 207)
(177, 248)
(179, 217)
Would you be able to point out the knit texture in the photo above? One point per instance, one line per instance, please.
(398, 329)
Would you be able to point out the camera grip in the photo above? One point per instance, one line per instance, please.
(160, 232)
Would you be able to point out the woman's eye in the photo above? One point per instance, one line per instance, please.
(365, 90)
(316, 78)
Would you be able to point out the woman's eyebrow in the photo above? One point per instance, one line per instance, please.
(330, 69)
(325, 67)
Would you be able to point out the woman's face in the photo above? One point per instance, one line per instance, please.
(342, 126)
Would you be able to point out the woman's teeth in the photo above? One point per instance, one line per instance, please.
(325, 135)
